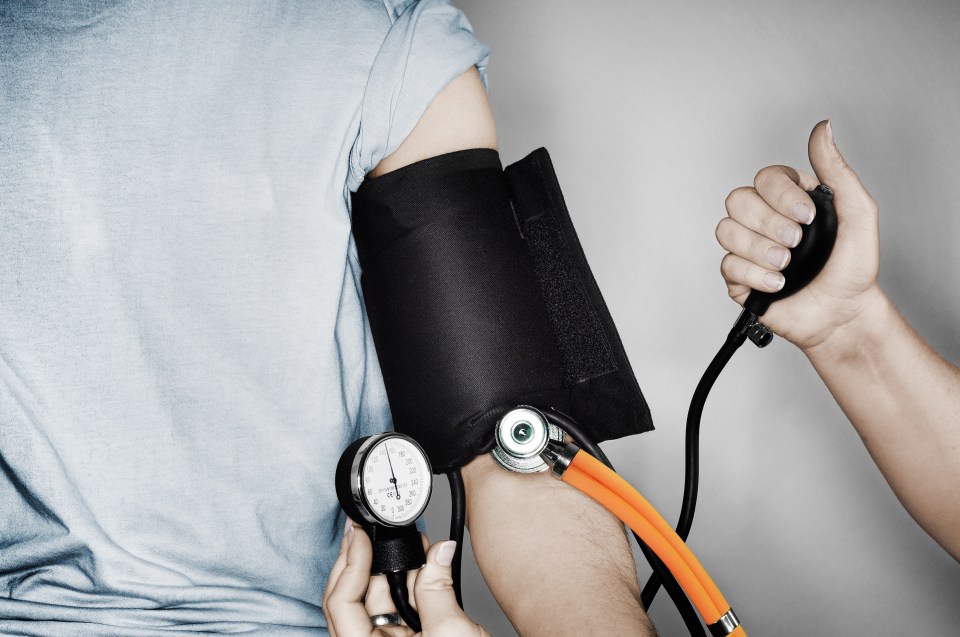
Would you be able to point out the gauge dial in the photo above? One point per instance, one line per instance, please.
(393, 478)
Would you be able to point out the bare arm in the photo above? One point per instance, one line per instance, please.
(904, 400)
(901, 396)
(557, 563)
(458, 118)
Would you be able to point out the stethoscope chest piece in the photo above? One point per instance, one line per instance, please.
(522, 435)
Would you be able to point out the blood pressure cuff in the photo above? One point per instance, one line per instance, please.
(480, 298)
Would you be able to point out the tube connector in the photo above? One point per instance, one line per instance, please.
(559, 456)
(727, 623)
(760, 334)
(748, 325)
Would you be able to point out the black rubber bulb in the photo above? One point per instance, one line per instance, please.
(808, 257)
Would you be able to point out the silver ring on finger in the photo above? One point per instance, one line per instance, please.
(385, 619)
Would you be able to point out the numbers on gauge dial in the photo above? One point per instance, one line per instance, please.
(395, 481)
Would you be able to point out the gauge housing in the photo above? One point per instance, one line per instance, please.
(355, 463)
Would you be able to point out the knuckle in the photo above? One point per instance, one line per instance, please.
(770, 225)
(335, 598)
(738, 240)
(790, 173)
(737, 198)
(353, 570)
(765, 176)
(721, 230)
(433, 585)
(726, 265)
(730, 235)
(767, 224)
(837, 157)
(774, 181)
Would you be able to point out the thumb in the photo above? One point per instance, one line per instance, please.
(433, 590)
(833, 170)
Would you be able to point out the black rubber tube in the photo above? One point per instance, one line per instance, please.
(398, 591)
(687, 612)
(691, 478)
(458, 518)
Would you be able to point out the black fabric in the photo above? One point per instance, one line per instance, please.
(456, 313)
(470, 317)
(603, 391)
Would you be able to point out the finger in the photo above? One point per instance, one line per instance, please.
(738, 292)
(434, 590)
(378, 599)
(785, 190)
(738, 271)
(849, 195)
(748, 244)
(412, 575)
(747, 207)
(345, 610)
(341, 560)
(336, 571)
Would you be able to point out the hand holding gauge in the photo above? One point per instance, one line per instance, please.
(387, 505)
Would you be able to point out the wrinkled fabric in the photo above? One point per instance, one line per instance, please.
(183, 348)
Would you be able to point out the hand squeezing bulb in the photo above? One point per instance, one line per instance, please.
(808, 257)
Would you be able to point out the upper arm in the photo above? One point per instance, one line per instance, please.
(458, 118)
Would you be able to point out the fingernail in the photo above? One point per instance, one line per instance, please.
(789, 235)
(348, 531)
(446, 553)
(830, 133)
(773, 280)
(802, 212)
(777, 256)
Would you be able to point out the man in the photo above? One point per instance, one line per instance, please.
(184, 351)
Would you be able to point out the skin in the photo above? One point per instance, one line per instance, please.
(352, 596)
(901, 396)
(556, 562)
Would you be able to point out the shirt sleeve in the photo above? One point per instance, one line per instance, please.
(429, 43)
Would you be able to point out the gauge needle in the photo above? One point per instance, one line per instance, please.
(393, 477)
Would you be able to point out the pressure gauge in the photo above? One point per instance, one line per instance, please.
(384, 480)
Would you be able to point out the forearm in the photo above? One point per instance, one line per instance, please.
(904, 401)
(556, 562)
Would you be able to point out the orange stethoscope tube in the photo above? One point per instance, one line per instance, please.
(596, 480)
(610, 479)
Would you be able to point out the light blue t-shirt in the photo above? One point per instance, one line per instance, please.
(183, 350)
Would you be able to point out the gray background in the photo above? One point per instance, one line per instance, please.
(653, 111)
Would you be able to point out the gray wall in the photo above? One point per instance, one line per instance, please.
(653, 111)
